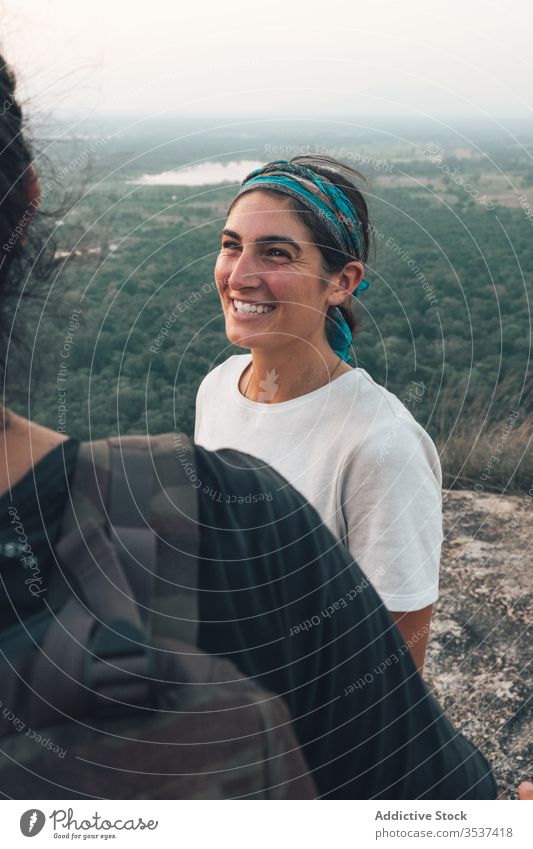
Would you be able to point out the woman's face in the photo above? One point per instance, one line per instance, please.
(267, 259)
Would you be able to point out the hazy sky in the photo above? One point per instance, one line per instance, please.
(274, 58)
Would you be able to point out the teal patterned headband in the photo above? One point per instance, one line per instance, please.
(334, 210)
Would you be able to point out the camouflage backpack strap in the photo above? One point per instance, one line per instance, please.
(132, 491)
(173, 524)
(129, 515)
(112, 487)
(95, 648)
(138, 489)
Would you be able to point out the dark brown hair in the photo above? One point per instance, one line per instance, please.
(26, 255)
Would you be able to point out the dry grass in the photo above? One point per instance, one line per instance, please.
(486, 443)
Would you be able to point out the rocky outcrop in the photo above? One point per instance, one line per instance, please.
(480, 648)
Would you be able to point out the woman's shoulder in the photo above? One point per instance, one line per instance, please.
(373, 397)
(42, 492)
(384, 425)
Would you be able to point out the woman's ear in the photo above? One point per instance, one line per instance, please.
(346, 282)
(33, 188)
(33, 198)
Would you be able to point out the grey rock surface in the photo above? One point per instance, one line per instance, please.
(479, 654)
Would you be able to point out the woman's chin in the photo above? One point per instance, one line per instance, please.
(251, 330)
(243, 341)
(247, 340)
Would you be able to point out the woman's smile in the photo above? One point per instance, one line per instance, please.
(250, 310)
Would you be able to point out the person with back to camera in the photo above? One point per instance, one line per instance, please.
(292, 257)
(387, 739)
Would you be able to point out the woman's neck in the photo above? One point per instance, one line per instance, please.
(284, 374)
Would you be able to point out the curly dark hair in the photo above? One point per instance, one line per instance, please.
(26, 252)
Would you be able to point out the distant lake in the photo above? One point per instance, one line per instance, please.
(203, 174)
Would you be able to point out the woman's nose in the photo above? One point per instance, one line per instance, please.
(244, 272)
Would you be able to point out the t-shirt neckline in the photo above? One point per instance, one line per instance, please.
(281, 405)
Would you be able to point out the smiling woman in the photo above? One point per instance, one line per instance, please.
(313, 240)
(292, 256)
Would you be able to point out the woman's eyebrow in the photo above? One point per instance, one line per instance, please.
(266, 239)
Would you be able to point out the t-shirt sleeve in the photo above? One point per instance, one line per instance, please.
(390, 496)
(199, 410)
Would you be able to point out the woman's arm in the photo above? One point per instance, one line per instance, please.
(414, 628)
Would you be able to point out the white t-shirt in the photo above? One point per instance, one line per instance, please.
(358, 456)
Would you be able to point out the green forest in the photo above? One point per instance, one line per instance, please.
(448, 304)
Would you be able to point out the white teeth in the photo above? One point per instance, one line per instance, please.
(243, 306)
